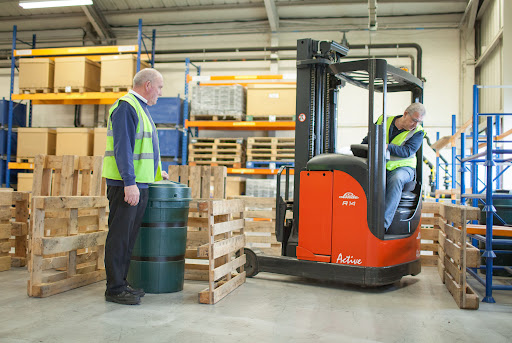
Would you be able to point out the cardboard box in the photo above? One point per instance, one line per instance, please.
(25, 182)
(119, 70)
(235, 186)
(271, 100)
(77, 72)
(74, 141)
(36, 73)
(34, 141)
(100, 141)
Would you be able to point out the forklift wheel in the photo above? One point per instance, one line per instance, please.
(251, 263)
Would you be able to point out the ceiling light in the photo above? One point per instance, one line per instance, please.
(53, 3)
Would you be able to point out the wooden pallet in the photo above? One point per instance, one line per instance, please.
(455, 253)
(17, 226)
(430, 227)
(271, 157)
(270, 117)
(35, 90)
(201, 180)
(260, 223)
(207, 141)
(270, 142)
(223, 249)
(21, 159)
(68, 227)
(215, 164)
(116, 89)
(73, 90)
(5, 230)
(212, 117)
(69, 261)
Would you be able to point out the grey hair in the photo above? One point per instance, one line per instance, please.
(147, 74)
(416, 107)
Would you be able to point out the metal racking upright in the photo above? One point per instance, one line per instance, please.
(492, 162)
(95, 98)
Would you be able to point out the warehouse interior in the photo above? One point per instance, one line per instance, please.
(253, 89)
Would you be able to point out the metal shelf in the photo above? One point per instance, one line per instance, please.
(240, 125)
(80, 50)
(23, 165)
(89, 98)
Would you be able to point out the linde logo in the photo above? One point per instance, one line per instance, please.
(348, 260)
(351, 196)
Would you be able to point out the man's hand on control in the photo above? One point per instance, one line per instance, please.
(131, 195)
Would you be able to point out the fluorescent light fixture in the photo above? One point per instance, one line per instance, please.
(53, 3)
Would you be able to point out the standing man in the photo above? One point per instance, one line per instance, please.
(404, 138)
(132, 162)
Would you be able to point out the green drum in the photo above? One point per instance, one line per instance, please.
(158, 259)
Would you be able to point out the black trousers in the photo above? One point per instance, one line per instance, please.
(123, 227)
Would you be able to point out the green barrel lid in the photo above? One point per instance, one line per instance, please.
(169, 191)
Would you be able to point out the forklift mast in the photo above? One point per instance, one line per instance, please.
(316, 124)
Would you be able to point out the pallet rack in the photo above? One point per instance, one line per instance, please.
(231, 125)
(89, 98)
(492, 163)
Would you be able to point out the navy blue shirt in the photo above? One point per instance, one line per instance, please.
(408, 149)
(124, 124)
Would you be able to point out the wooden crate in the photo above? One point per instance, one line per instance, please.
(68, 226)
(260, 223)
(199, 179)
(14, 214)
(455, 253)
(219, 151)
(223, 249)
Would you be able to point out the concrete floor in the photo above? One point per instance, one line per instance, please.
(268, 308)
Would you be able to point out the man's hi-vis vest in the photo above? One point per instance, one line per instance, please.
(143, 154)
(400, 139)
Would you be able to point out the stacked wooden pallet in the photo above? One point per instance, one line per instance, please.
(455, 253)
(68, 226)
(18, 225)
(430, 227)
(260, 222)
(262, 151)
(229, 152)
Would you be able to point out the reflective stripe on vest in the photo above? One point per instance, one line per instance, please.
(143, 154)
(399, 140)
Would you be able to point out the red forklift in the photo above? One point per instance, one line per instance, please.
(337, 231)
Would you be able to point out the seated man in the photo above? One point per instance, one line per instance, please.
(404, 138)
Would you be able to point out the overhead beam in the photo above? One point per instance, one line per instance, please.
(273, 17)
(99, 23)
(372, 15)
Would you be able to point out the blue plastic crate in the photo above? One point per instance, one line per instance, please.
(170, 142)
(167, 111)
(19, 114)
(3, 142)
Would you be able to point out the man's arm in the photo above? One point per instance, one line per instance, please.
(409, 148)
(124, 125)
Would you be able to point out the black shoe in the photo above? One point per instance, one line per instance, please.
(125, 298)
(135, 291)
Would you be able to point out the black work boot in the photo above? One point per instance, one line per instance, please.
(135, 291)
(125, 298)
